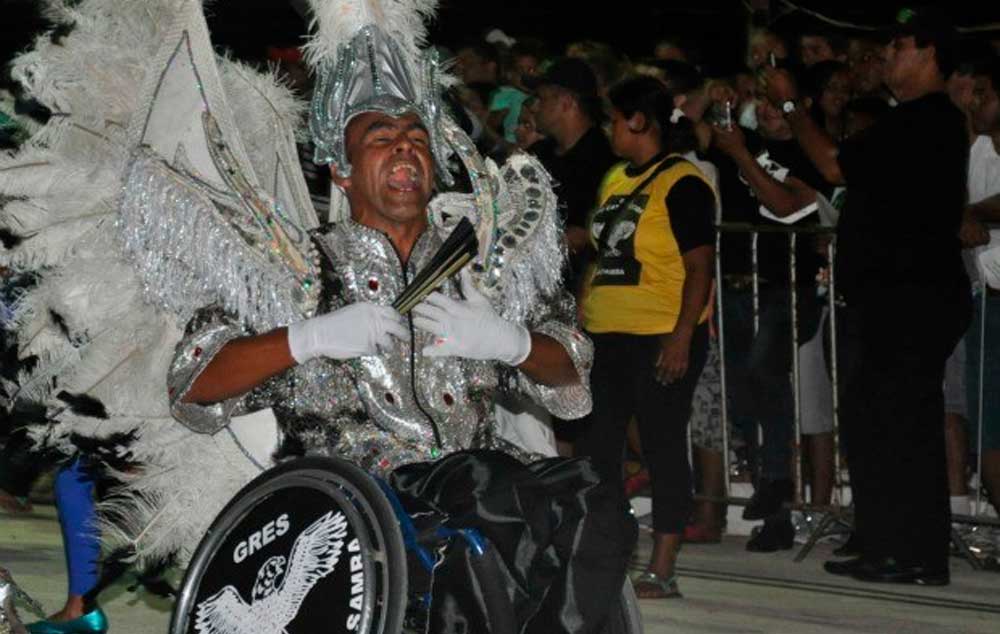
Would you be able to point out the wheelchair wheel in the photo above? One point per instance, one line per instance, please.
(310, 546)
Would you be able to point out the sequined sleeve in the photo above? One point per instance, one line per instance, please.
(557, 319)
(206, 334)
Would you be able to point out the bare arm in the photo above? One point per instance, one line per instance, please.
(987, 210)
(699, 268)
(818, 146)
(784, 199)
(815, 142)
(240, 366)
(973, 231)
(548, 363)
(675, 351)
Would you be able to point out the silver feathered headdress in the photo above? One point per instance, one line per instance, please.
(369, 56)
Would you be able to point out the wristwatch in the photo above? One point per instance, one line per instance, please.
(788, 107)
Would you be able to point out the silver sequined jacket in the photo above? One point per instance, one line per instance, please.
(383, 411)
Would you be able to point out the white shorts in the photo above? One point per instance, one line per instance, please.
(955, 398)
(815, 387)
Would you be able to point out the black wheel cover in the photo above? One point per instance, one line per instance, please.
(310, 546)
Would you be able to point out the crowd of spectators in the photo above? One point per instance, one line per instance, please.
(752, 132)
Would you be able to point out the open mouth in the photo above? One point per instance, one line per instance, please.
(404, 177)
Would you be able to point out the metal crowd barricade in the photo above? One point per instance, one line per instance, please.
(837, 517)
(978, 517)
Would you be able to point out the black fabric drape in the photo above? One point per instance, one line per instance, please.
(563, 537)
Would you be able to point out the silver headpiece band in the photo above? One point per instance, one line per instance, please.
(372, 73)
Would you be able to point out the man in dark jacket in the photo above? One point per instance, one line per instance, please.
(899, 267)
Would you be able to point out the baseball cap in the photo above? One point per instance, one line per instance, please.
(930, 26)
(927, 25)
(568, 72)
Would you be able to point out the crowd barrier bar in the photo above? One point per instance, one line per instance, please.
(837, 516)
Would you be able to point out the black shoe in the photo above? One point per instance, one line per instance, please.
(843, 568)
(768, 499)
(772, 537)
(888, 570)
(850, 548)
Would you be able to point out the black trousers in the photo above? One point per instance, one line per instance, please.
(623, 382)
(895, 348)
(759, 368)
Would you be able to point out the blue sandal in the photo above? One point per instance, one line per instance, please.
(93, 622)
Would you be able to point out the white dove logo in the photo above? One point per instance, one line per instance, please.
(279, 591)
(619, 234)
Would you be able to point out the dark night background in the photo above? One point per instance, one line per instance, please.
(714, 26)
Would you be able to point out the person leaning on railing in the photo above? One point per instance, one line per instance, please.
(780, 187)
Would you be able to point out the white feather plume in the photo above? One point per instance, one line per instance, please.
(336, 22)
(62, 192)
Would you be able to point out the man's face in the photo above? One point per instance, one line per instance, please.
(985, 106)
(866, 61)
(746, 89)
(836, 94)
(762, 47)
(523, 66)
(474, 69)
(904, 61)
(526, 131)
(814, 49)
(550, 108)
(391, 169)
(771, 122)
(961, 90)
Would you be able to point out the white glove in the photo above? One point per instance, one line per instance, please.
(353, 331)
(470, 329)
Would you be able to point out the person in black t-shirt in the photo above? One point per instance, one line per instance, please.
(899, 267)
(577, 153)
(782, 185)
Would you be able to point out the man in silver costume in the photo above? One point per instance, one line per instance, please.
(411, 398)
(359, 380)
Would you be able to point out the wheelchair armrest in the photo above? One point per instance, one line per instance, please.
(415, 540)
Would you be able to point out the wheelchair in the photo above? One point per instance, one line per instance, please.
(318, 545)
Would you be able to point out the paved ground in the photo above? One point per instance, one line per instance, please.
(725, 588)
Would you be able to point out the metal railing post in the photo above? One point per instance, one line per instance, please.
(755, 283)
(980, 503)
(796, 379)
(755, 273)
(831, 251)
(722, 361)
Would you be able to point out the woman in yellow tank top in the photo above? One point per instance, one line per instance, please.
(644, 305)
